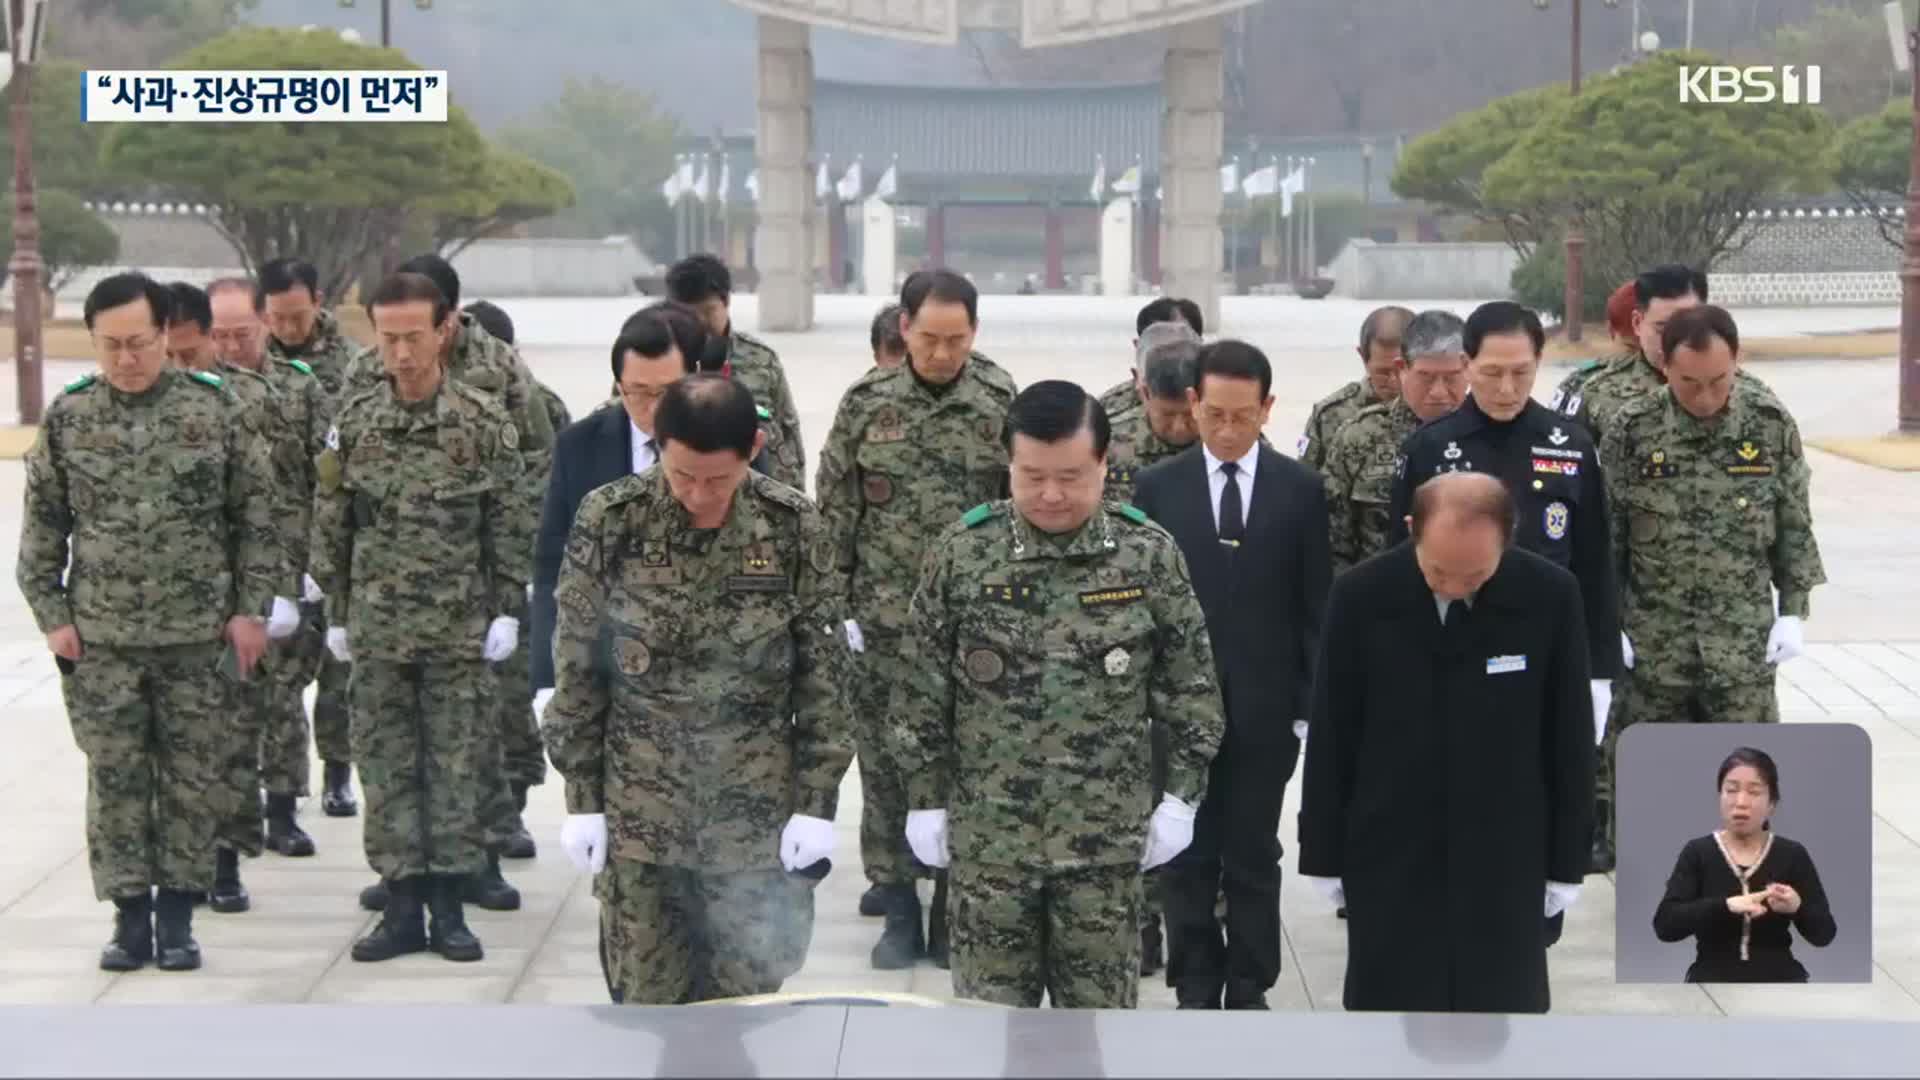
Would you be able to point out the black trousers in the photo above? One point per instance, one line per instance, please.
(1236, 855)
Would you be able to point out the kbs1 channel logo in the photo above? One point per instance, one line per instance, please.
(354, 97)
(1726, 84)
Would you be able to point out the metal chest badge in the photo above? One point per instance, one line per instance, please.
(1117, 661)
(1555, 521)
(1452, 452)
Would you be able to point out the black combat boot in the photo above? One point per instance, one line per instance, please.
(1151, 955)
(132, 944)
(284, 834)
(488, 889)
(873, 902)
(173, 944)
(520, 844)
(1601, 861)
(228, 896)
(449, 935)
(937, 923)
(402, 928)
(902, 942)
(374, 896)
(336, 797)
(1245, 994)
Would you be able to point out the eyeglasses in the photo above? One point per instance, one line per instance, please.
(642, 395)
(1237, 418)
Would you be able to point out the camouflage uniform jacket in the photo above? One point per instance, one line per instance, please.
(1360, 469)
(1120, 397)
(485, 363)
(901, 463)
(1040, 660)
(163, 499)
(1132, 447)
(1574, 385)
(1329, 415)
(1627, 379)
(757, 367)
(327, 353)
(1706, 516)
(699, 674)
(421, 534)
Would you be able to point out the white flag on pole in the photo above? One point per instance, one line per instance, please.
(1261, 182)
(1129, 182)
(700, 180)
(1294, 184)
(1230, 177)
(724, 193)
(753, 185)
(822, 186)
(671, 190)
(852, 183)
(1099, 189)
(889, 184)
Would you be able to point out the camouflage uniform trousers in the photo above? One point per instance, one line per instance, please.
(332, 738)
(157, 727)
(520, 757)
(292, 665)
(1153, 905)
(421, 733)
(1071, 934)
(883, 790)
(241, 826)
(1639, 700)
(674, 935)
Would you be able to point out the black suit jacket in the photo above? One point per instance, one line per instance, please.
(589, 453)
(1263, 600)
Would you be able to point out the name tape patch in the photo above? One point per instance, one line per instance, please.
(1102, 597)
(1504, 665)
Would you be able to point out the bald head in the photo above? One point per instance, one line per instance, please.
(1461, 525)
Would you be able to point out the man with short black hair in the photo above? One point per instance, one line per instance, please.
(910, 450)
(1168, 309)
(1252, 526)
(1049, 628)
(1379, 350)
(698, 715)
(703, 282)
(889, 348)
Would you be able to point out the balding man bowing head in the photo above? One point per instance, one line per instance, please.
(1449, 765)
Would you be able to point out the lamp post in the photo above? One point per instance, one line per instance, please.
(386, 17)
(390, 250)
(26, 22)
(1576, 239)
(1906, 57)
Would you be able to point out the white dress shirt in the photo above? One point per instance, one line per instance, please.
(1217, 482)
(644, 454)
(1440, 605)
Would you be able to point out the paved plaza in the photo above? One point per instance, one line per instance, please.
(1862, 667)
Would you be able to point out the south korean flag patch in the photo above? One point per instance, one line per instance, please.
(333, 439)
(1300, 448)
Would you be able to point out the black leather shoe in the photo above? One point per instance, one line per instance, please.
(1150, 949)
(336, 797)
(520, 845)
(402, 928)
(173, 945)
(873, 902)
(902, 942)
(284, 835)
(374, 897)
(937, 924)
(449, 935)
(228, 896)
(488, 890)
(1601, 860)
(1340, 912)
(1245, 996)
(1197, 994)
(132, 946)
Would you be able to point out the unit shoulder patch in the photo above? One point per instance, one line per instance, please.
(1133, 513)
(977, 515)
(209, 378)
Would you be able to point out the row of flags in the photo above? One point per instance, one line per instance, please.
(691, 176)
(1262, 182)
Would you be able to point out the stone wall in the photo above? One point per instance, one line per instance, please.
(1822, 241)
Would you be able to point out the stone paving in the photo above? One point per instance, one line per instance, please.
(1863, 667)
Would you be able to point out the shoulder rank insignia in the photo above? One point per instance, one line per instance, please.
(79, 384)
(209, 378)
(300, 366)
(1133, 513)
(977, 515)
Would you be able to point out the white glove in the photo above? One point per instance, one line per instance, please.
(1560, 897)
(1169, 832)
(337, 643)
(1626, 650)
(805, 841)
(503, 634)
(855, 640)
(1331, 888)
(584, 838)
(927, 836)
(1602, 700)
(1300, 730)
(1787, 640)
(540, 699)
(283, 620)
(310, 589)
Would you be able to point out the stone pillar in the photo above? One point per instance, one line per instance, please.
(1056, 248)
(1195, 133)
(877, 247)
(936, 235)
(836, 243)
(783, 240)
(1116, 248)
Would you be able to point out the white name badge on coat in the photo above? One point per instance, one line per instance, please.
(1503, 665)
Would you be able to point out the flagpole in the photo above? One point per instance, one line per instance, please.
(1233, 247)
(1313, 246)
(1273, 224)
(683, 241)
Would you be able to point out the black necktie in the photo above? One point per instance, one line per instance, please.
(1232, 514)
(1456, 615)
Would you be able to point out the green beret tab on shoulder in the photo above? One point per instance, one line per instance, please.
(209, 378)
(79, 384)
(977, 515)
(766, 417)
(1134, 514)
(301, 366)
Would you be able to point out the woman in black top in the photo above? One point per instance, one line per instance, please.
(1737, 891)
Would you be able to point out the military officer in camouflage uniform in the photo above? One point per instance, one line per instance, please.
(1160, 311)
(704, 283)
(1048, 629)
(287, 298)
(910, 450)
(1152, 420)
(889, 348)
(699, 714)
(420, 547)
(1361, 459)
(1708, 486)
(148, 539)
(1380, 335)
(1620, 307)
